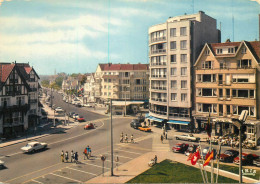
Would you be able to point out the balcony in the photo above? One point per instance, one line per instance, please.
(158, 51)
(159, 87)
(159, 99)
(158, 64)
(158, 39)
(159, 76)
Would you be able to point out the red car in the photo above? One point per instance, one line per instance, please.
(80, 119)
(247, 159)
(89, 126)
(228, 156)
(180, 148)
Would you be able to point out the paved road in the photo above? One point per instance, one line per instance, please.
(46, 167)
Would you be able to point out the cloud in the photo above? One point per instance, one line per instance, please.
(258, 1)
(1, 1)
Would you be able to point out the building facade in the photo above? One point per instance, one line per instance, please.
(173, 48)
(227, 82)
(19, 90)
(89, 88)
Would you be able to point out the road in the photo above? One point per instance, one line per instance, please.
(45, 166)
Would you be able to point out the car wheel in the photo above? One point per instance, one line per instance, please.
(33, 151)
(177, 138)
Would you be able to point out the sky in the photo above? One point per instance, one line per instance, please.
(74, 36)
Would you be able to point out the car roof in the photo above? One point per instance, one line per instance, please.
(31, 143)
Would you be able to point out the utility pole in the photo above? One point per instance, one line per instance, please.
(111, 131)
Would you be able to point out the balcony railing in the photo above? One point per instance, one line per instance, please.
(158, 76)
(157, 39)
(159, 99)
(158, 112)
(159, 88)
(158, 64)
(158, 51)
(179, 115)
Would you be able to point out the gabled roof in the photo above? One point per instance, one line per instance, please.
(254, 48)
(214, 47)
(28, 69)
(6, 69)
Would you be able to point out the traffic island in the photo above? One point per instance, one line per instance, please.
(169, 171)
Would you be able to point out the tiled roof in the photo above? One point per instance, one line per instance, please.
(5, 71)
(28, 69)
(214, 46)
(255, 49)
(116, 67)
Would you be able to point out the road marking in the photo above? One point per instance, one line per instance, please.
(95, 165)
(11, 155)
(133, 147)
(119, 155)
(129, 151)
(66, 178)
(82, 171)
(36, 181)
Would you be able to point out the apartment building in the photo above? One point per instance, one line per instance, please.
(227, 82)
(173, 49)
(89, 88)
(19, 109)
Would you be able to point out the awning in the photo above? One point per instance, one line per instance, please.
(153, 118)
(178, 122)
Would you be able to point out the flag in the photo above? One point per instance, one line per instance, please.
(208, 127)
(190, 156)
(195, 157)
(209, 158)
(207, 155)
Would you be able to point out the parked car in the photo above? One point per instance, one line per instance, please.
(78, 105)
(71, 114)
(180, 147)
(256, 162)
(145, 128)
(89, 126)
(187, 137)
(2, 164)
(88, 105)
(34, 146)
(228, 156)
(80, 119)
(205, 152)
(191, 149)
(74, 116)
(135, 124)
(58, 109)
(247, 159)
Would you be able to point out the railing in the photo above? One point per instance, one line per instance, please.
(159, 99)
(158, 76)
(158, 112)
(179, 115)
(158, 39)
(158, 51)
(159, 88)
(13, 80)
(158, 64)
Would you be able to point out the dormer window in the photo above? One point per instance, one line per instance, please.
(231, 50)
(219, 51)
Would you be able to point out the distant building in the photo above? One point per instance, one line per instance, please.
(227, 82)
(89, 88)
(173, 49)
(19, 107)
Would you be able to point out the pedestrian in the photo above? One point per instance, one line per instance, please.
(66, 156)
(76, 157)
(132, 138)
(89, 153)
(155, 159)
(166, 135)
(162, 138)
(62, 156)
(72, 156)
(85, 153)
(126, 138)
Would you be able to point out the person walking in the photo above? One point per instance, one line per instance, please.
(132, 138)
(166, 135)
(162, 138)
(126, 138)
(76, 157)
(85, 153)
(72, 156)
(62, 156)
(89, 152)
(66, 156)
(155, 159)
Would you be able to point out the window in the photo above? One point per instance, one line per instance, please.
(222, 65)
(244, 63)
(183, 71)
(183, 58)
(228, 109)
(174, 84)
(231, 50)
(243, 50)
(173, 96)
(183, 97)
(173, 45)
(209, 92)
(207, 65)
(198, 78)
(105, 80)
(173, 32)
(183, 44)
(243, 93)
(183, 31)
(219, 51)
(207, 52)
(238, 109)
(183, 84)
(5, 101)
(173, 71)
(173, 58)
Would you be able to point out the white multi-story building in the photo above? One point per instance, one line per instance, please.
(173, 49)
(89, 88)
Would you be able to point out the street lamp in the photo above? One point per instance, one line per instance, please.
(239, 124)
(111, 131)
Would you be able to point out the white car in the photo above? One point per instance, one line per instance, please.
(2, 164)
(75, 116)
(88, 105)
(58, 109)
(187, 137)
(34, 146)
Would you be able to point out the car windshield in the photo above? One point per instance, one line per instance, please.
(28, 145)
(228, 153)
(177, 146)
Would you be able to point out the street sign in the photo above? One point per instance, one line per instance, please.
(103, 158)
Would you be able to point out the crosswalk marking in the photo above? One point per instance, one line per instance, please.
(67, 178)
(120, 155)
(37, 181)
(95, 165)
(128, 151)
(82, 171)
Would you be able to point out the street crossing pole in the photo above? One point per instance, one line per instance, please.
(112, 168)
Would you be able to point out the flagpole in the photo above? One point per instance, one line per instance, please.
(205, 173)
(212, 164)
(219, 150)
(200, 165)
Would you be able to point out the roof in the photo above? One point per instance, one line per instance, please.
(214, 47)
(110, 76)
(5, 71)
(116, 67)
(28, 69)
(255, 49)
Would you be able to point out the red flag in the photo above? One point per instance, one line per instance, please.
(207, 155)
(190, 156)
(209, 158)
(208, 127)
(195, 158)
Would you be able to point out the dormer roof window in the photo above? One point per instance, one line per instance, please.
(231, 50)
(219, 51)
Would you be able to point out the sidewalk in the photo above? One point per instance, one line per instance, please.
(129, 170)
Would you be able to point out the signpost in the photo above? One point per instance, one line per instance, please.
(103, 158)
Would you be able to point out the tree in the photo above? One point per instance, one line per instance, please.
(45, 83)
(59, 81)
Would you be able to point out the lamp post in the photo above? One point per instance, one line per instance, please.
(111, 131)
(239, 124)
